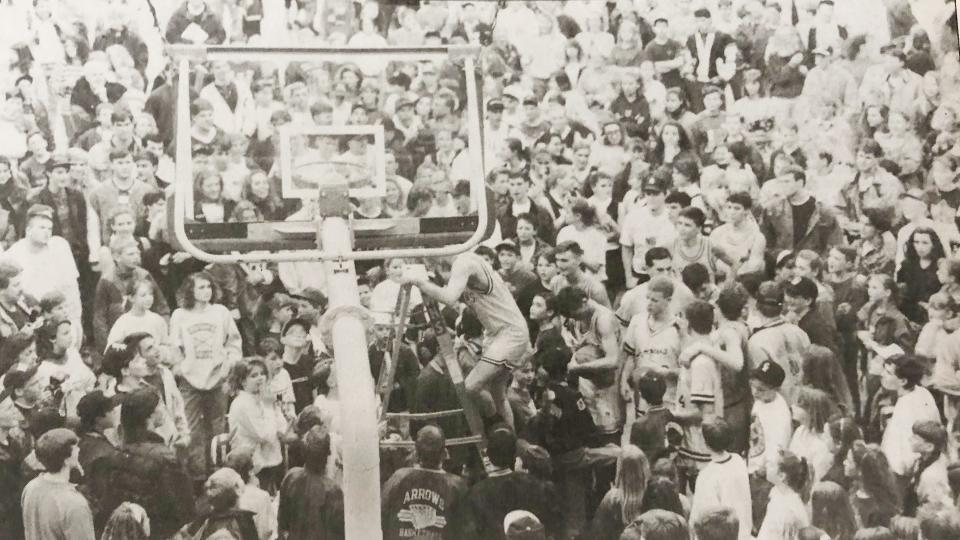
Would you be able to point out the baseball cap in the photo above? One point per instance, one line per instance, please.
(94, 405)
(495, 105)
(770, 294)
(522, 524)
(59, 160)
(508, 244)
(931, 432)
(41, 210)
(296, 321)
(315, 296)
(656, 183)
(769, 373)
(17, 377)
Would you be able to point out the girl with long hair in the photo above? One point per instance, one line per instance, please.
(609, 154)
(209, 203)
(673, 144)
(812, 409)
(873, 121)
(259, 190)
(205, 337)
(256, 422)
(624, 501)
(918, 272)
(677, 110)
(787, 512)
(394, 202)
(875, 497)
(831, 511)
(843, 432)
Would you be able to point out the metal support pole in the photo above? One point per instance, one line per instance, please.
(358, 405)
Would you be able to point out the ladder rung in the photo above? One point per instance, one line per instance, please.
(425, 416)
(459, 441)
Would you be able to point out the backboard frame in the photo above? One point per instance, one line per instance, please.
(274, 246)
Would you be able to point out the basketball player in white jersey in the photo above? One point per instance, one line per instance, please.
(506, 344)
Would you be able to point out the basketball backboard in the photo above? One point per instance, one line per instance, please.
(310, 157)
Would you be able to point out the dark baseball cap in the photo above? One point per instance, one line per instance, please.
(59, 160)
(17, 377)
(803, 288)
(770, 294)
(769, 373)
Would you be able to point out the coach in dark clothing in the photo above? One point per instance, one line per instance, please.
(506, 490)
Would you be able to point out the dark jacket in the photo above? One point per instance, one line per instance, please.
(489, 500)
(130, 41)
(543, 225)
(207, 21)
(239, 523)
(311, 507)
(823, 231)
(11, 485)
(564, 424)
(85, 98)
(77, 204)
(422, 501)
(720, 41)
(169, 497)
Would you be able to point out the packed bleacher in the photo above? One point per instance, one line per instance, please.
(729, 228)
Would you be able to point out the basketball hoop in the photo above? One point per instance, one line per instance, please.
(398, 237)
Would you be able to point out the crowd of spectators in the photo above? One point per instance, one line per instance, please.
(732, 226)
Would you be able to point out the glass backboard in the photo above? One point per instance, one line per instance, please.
(264, 136)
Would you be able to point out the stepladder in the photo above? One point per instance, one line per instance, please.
(435, 324)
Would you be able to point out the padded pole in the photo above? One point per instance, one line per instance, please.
(358, 405)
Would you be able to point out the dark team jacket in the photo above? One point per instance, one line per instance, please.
(491, 499)
(563, 423)
(422, 503)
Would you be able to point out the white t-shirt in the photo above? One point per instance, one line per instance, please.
(912, 407)
(725, 483)
(770, 432)
(642, 230)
